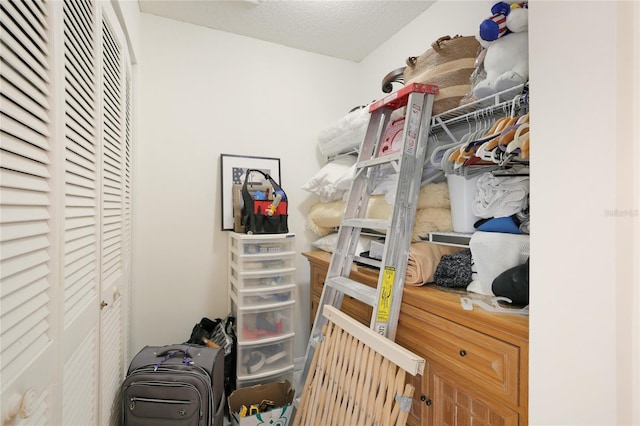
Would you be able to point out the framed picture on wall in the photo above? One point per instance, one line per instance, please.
(233, 169)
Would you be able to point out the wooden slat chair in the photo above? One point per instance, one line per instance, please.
(357, 377)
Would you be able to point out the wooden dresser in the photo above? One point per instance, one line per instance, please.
(477, 365)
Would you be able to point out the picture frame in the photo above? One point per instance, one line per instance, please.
(232, 171)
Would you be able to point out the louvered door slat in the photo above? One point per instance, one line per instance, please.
(11, 231)
(24, 85)
(35, 75)
(16, 282)
(81, 188)
(11, 266)
(25, 102)
(38, 12)
(9, 126)
(82, 113)
(21, 46)
(33, 19)
(111, 366)
(79, 406)
(25, 32)
(21, 164)
(23, 214)
(10, 143)
(19, 197)
(84, 255)
(34, 337)
(18, 113)
(13, 179)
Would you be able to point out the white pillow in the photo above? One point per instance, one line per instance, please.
(330, 242)
(332, 180)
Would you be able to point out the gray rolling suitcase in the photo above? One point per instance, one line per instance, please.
(177, 385)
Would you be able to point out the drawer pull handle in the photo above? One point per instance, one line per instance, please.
(463, 352)
(429, 402)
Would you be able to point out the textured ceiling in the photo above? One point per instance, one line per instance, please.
(342, 29)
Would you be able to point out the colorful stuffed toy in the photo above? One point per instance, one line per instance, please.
(506, 59)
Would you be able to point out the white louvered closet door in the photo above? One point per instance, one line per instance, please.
(28, 269)
(81, 222)
(115, 211)
(65, 212)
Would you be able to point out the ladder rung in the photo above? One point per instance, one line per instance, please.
(359, 291)
(380, 160)
(368, 261)
(366, 223)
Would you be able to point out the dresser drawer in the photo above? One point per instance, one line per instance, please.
(483, 362)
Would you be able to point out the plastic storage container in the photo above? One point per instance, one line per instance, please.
(263, 322)
(262, 291)
(265, 358)
(263, 244)
(262, 263)
(246, 381)
(263, 296)
(462, 192)
(262, 279)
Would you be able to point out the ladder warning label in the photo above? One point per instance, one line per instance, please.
(386, 292)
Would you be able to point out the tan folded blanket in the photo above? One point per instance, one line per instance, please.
(424, 258)
(323, 218)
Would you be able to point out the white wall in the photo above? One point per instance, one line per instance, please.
(582, 249)
(203, 93)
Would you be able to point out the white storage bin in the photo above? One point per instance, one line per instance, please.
(261, 279)
(263, 263)
(462, 192)
(262, 244)
(263, 296)
(265, 322)
(246, 381)
(264, 359)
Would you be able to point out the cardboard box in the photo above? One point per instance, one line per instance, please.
(281, 393)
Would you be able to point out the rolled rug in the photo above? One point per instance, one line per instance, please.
(424, 258)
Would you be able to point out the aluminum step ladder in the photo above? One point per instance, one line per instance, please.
(372, 165)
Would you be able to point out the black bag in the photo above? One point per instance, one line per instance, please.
(222, 333)
(268, 216)
(174, 385)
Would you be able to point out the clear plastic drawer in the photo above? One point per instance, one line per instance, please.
(264, 359)
(246, 381)
(263, 296)
(262, 244)
(263, 279)
(263, 322)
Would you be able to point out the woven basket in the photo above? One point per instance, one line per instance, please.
(448, 64)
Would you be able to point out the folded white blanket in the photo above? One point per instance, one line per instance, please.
(500, 196)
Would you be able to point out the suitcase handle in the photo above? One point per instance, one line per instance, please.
(170, 353)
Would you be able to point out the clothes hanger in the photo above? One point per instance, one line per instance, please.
(518, 138)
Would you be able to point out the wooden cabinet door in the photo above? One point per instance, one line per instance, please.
(418, 416)
(451, 405)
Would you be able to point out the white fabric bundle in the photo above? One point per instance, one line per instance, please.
(500, 196)
(493, 253)
(345, 134)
